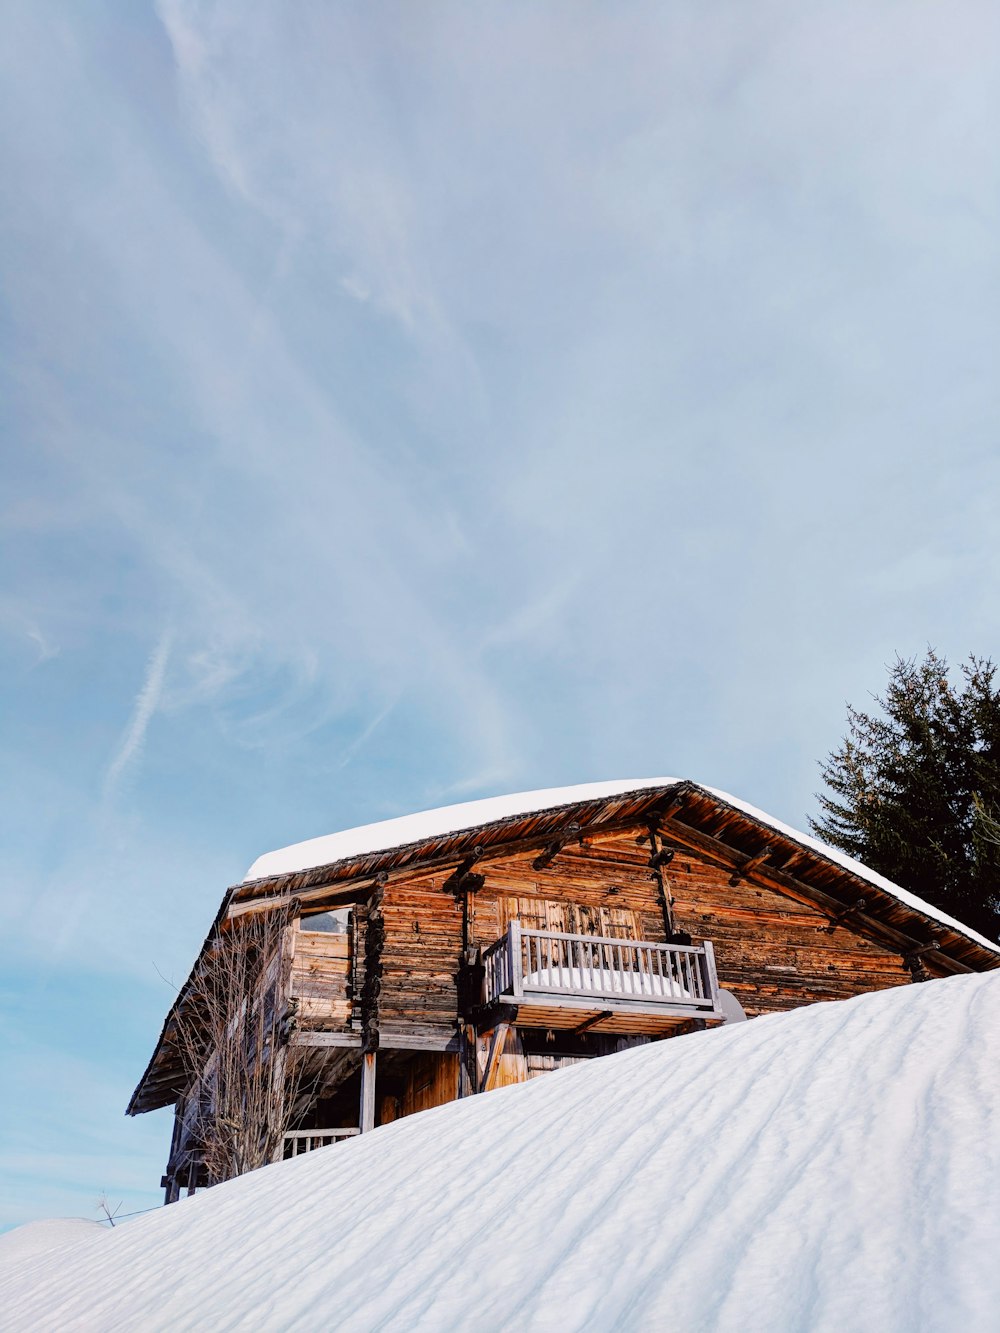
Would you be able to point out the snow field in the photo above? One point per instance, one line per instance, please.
(836, 1168)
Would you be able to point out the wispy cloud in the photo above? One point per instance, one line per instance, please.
(46, 650)
(361, 740)
(147, 701)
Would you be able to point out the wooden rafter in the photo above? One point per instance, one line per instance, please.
(802, 892)
(749, 866)
(840, 917)
(546, 857)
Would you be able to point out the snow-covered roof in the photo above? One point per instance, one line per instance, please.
(390, 833)
(769, 1189)
(428, 824)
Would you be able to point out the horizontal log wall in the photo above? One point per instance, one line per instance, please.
(321, 979)
(420, 960)
(772, 951)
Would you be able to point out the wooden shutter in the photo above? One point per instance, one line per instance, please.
(619, 924)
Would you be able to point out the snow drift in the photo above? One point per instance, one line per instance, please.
(833, 1168)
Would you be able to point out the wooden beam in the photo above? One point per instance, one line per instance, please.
(658, 815)
(660, 856)
(323, 1040)
(749, 866)
(371, 988)
(843, 916)
(648, 1006)
(461, 879)
(345, 897)
(497, 1044)
(555, 847)
(921, 949)
(387, 1041)
(914, 961)
(405, 1041)
(591, 1022)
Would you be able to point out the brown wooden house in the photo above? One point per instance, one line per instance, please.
(444, 954)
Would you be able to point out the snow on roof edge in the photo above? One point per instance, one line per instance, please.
(390, 833)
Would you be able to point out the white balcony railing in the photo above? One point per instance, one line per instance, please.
(529, 966)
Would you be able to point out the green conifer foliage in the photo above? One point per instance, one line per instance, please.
(914, 791)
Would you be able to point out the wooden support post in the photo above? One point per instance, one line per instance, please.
(516, 969)
(493, 1059)
(462, 879)
(367, 1117)
(468, 1080)
(914, 960)
(659, 857)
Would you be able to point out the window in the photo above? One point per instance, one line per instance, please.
(334, 922)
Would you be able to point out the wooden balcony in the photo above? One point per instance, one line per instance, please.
(596, 983)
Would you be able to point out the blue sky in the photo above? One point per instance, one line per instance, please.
(406, 403)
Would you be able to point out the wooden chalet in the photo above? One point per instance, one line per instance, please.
(444, 954)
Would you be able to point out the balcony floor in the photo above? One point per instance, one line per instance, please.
(567, 1013)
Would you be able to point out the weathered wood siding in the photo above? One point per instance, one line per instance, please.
(423, 945)
(432, 1080)
(588, 890)
(321, 978)
(772, 951)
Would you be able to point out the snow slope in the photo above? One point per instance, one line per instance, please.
(837, 1168)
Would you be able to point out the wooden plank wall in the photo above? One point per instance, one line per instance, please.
(432, 1080)
(320, 979)
(423, 946)
(609, 888)
(772, 952)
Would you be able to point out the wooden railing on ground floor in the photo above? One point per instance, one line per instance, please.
(532, 965)
(305, 1140)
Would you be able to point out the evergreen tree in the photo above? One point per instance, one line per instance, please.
(914, 792)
